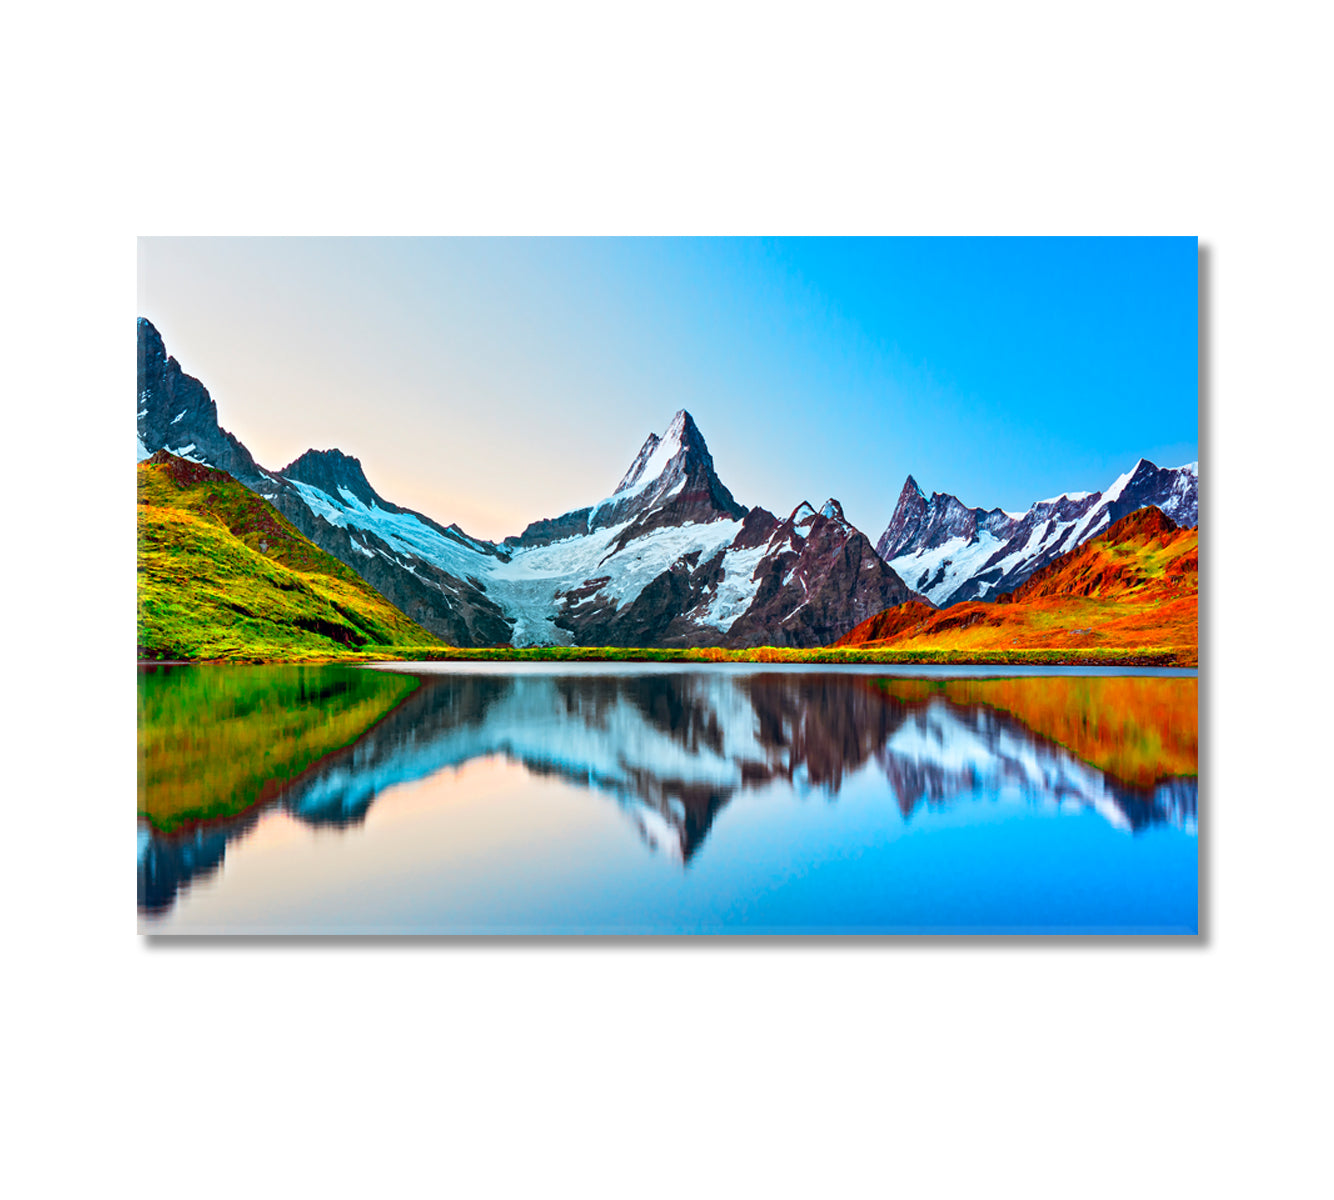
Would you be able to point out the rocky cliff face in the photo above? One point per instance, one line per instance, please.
(177, 414)
(818, 574)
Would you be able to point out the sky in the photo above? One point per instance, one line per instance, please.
(493, 382)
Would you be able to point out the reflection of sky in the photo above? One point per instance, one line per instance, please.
(485, 842)
(490, 848)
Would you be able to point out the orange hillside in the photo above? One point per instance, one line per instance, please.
(1133, 588)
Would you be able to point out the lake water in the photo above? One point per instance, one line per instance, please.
(632, 798)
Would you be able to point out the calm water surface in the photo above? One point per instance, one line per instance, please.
(544, 798)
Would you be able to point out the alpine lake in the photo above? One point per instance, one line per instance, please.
(627, 798)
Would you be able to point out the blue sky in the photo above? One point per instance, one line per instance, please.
(496, 381)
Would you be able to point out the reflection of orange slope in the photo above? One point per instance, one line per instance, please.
(1138, 729)
(1136, 587)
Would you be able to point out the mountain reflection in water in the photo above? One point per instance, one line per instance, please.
(673, 748)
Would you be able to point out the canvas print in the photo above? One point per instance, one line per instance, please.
(663, 586)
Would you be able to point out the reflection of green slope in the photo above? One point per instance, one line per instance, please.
(215, 740)
(223, 575)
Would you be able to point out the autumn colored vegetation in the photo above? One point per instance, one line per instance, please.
(1132, 591)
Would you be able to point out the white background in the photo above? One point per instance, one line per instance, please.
(928, 1068)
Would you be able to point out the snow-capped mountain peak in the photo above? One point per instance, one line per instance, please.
(656, 457)
(671, 480)
(657, 452)
(1121, 482)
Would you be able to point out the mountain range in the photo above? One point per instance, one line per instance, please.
(669, 558)
(1133, 587)
(950, 553)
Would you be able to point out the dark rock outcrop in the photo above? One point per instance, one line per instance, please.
(177, 414)
(557, 529)
(821, 578)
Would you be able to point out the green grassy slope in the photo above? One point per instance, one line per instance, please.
(222, 574)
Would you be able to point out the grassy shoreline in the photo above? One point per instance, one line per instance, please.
(1145, 657)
